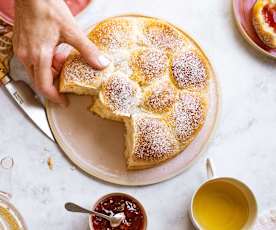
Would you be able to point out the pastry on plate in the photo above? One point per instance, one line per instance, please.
(264, 21)
(157, 84)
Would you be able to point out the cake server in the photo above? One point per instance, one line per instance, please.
(27, 101)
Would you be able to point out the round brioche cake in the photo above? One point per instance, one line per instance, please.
(157, 84)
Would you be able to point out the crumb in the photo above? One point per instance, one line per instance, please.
(46, 149)
(50, 163)
(73, 168)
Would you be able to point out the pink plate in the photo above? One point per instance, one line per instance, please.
(7, 8)
(97, 145)
(243, 16)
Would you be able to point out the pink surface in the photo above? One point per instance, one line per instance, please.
(243, 12)
(7, 8)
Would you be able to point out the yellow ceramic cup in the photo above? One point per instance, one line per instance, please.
(223, 203)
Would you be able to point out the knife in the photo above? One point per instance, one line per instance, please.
(26, 100)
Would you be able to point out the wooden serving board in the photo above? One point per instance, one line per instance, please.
(97, 145)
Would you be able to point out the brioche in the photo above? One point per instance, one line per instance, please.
(78, 77)
(157, 85)
(264, 21)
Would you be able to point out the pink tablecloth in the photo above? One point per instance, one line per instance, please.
(5, 43)
(7, 8)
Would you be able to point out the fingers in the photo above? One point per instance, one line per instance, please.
(44, 79)
(58, 61)
(55, 73)
(42, 69)
(87, 49)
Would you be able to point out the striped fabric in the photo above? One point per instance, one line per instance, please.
(6, 51)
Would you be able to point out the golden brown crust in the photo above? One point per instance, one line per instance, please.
(157, 86)
(189, 70)
(163, 36)
(153, 142)
(119, 94)
(266, 33)
(112, 34)
(188, 116)
(80, 78)
(159, 97)
(148, 65)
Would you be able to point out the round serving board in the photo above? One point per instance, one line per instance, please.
(97, 145)
(243, 16)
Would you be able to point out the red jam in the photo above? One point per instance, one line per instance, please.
(116, 204)
(269, 12)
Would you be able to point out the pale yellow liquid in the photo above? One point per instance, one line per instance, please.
(220, 205)
(9, 220)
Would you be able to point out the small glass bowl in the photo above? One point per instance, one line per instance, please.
(124, 195)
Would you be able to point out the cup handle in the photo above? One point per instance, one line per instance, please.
(210, 168)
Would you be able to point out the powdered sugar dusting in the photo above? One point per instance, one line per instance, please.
(160, 98)
(154, 141)
(188, 116)
(151, 63)
(152, 81)
(120, 94)
(77, 70)
(189, 71)
(120, 60)
(164, 37)
(112, 34)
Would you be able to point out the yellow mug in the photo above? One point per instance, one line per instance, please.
(223, 203)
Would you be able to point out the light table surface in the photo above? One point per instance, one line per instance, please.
(244, 145)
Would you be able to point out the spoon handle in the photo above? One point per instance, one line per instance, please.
(71, 207)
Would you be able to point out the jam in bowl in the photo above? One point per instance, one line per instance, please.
(111, 204)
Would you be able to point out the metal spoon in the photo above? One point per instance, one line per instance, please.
(115, 220)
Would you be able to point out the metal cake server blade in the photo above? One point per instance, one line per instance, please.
(26, 100)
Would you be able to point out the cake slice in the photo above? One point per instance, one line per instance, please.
(79, 77)
(148, 142)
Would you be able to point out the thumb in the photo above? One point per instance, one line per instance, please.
(87, 49)
(58, 61)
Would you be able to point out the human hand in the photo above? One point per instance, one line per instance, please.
(39, 27)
